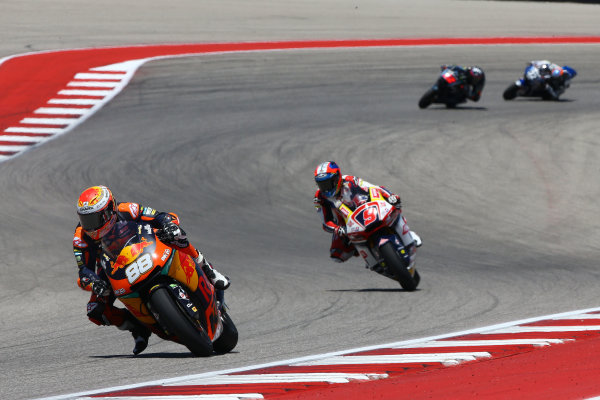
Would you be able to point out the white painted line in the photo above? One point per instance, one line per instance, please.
(77, 102)
(92, 84)
(61, 111)
(445, 358)
(15, 138)
(3, 157)
(281, 378)
(469, 343)
(232, 396)
(76, 92)
(526, 329)
(14, 148)
(48, 121)
(92, 76)
(23, 129)
(295, 361)
(126, 66)
(580, 316)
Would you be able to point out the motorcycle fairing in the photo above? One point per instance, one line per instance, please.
(133, 257)
(183, 270)
(571, 71)
(449, 89)
(179, 294)
(449, 76)
(407, 253)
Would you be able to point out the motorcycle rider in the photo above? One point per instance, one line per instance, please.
(473, 76)
(335, 189)
(550, 78)
(98, 213)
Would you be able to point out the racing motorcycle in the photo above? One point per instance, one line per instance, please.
(449, 90)
(164, 290)
(533, 84)
(370, 228)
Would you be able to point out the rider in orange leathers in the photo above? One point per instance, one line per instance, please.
(98, 212)
(335, 189)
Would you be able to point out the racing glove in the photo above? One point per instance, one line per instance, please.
(340, 231)
(395, 201)
(100, 288)
(170, 232)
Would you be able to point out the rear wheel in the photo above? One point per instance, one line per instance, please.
(397, 265)
(229, 337)
(427, 98)
(177, 322)
(511, 92)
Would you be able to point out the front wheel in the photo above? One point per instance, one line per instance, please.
(176, 321)
(427, 98)
(229, 337)
(511, 92)
(398, 266)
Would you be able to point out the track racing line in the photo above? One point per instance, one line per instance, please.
(47, 94)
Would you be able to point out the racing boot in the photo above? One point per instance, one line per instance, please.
(139, 332)
(140, 336)
(417, 239)
(218, 280)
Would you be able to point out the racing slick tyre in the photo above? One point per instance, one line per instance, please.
(399, 267)
(510, 92)
(177, 322)
(229, 337)
(416, 278)
(427, 98)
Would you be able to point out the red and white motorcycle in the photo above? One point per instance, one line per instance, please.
(371, 228)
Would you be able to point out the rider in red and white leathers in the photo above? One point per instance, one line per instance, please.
(336, 189)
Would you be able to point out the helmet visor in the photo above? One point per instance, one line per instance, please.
(328, 185)
(94, 221)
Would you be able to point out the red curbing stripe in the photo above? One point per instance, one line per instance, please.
(562, 372)
(196, 390)
(24, 81)
(25, 84)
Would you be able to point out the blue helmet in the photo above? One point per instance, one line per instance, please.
(329, 178)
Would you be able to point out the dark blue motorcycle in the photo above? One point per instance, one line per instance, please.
(449, 90)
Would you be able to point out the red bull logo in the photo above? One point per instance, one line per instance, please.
(188, 266)
(129, 254)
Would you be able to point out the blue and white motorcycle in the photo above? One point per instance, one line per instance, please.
(546, 83)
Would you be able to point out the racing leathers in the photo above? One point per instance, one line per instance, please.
(548, 77)
(100, 308)
(353, 193)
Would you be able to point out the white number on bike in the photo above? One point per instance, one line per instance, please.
(138, 268)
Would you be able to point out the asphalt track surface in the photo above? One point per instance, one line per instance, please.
(504, 194)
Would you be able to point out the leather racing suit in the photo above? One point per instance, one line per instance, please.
(353, 193)
(101, 309)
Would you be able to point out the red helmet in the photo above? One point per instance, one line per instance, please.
(329, 178)
(97, 211)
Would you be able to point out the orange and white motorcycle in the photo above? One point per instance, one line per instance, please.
(372, 229)
(164, 290)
